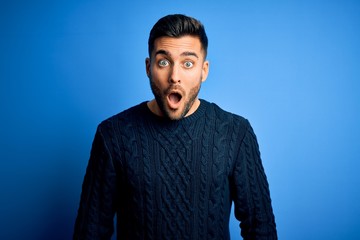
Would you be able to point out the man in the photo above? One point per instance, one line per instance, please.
(170, 168)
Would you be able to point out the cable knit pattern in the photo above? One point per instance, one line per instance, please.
(174, 179)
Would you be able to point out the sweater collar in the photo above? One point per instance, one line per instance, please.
(200, 111)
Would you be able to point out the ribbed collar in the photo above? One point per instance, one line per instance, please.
(200, 111)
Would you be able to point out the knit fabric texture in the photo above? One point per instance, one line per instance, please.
(174, 179)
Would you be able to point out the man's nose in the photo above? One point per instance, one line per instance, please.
(175, 74)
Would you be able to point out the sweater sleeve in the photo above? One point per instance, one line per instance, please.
(251, 192)
(97, 203)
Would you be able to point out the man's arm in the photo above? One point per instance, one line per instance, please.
(251, 192)
(97, 203)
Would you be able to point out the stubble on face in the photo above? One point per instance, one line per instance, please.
(160, 97)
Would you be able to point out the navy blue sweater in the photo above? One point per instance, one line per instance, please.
(174, 179)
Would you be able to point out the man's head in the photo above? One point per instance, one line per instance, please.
(178, 25)
(176, 65)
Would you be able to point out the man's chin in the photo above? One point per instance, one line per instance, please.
(174, 115)
(177, 113)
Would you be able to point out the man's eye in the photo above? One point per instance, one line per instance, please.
(188, 64)
(163, 63)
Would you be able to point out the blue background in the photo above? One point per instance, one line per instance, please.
(291, 67)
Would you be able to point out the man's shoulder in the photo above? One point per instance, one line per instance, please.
(227, 120)
(127, 116)
(227, 116)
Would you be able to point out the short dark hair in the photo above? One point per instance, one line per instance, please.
(177, 25)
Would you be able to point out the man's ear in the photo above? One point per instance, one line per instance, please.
(205, 70)
(147, 66)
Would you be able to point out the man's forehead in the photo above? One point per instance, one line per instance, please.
(179, 45)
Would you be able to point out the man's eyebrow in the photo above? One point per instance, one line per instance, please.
(187, 53)
(190, 54)
(163, 52)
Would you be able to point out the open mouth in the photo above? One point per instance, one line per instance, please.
(174, 99)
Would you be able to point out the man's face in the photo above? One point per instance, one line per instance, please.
(176, 69)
